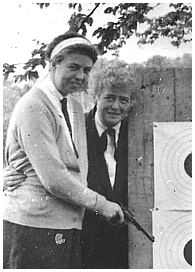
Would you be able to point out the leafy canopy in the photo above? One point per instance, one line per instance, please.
(176, 25)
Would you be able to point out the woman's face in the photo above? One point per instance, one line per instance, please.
(113, 106)
(72, 73)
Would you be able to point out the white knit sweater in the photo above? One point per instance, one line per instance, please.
(54, 193)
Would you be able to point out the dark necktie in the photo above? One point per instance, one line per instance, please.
(66, 116)
(112, 133)
(104, 141)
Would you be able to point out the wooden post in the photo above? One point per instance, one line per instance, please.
(162, 100)
(183, 101)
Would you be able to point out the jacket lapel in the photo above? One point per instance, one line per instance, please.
(96, 158)
(120, 189)
(80, 137)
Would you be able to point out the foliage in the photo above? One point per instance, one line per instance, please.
(7, 69)
(176, 24)
(37, 59)
(78, 20)
(160, 62)
(11, 94)
(43, 5)
(129, 16)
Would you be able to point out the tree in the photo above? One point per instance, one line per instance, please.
(176, 24)
(158, 62)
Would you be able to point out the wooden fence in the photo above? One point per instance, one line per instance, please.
(164, 96)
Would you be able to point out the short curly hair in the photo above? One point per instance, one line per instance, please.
(114, 74)
(89, 51)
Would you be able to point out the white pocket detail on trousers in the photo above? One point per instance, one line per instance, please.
(59, 239)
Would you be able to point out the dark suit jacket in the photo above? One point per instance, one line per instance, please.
(98, 178)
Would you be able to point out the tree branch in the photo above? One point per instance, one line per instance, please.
(88, 16)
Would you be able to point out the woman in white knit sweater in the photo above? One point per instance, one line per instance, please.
(43, 216)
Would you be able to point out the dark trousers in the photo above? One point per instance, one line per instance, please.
(38, 248)
(106, 249)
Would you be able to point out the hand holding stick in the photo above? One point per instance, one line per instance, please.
(129, 218)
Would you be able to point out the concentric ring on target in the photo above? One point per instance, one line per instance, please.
(173, 244)
(172, 167)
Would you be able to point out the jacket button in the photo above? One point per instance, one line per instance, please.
(74, 219)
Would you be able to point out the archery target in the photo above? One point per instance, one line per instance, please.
(172, 165)
(172, 248)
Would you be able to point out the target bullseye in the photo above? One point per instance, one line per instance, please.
(172, 216)
(188, 252)
(172, 165)
(188, 165)
(173, 150)
(173, 234)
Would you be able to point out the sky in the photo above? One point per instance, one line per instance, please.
(25, 23)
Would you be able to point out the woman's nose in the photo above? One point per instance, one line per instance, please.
(80, 74)
(115, 104)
